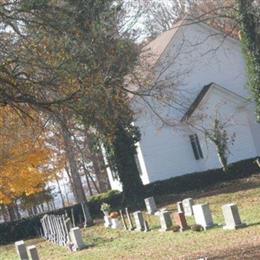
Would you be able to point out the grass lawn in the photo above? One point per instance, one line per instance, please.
(214, 243)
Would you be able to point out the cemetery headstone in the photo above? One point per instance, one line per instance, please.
(146, 226)
(165, 221)
(139, 221)
(115, 223)
(150, 205)
(180, 207)
(202, 215)
(180, 220)
(123, 220)
(68, 224)
(130, 222)
(88, 221)
(72, 217)
(187, 206)
(76, 239)
(32, 252)
(21, 250)
(232, 217)
(107, 221)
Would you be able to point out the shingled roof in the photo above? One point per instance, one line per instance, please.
(152, 52)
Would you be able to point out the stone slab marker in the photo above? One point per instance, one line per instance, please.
(88, 221)
(123, 219)
(187, 206)
(150, 205)
(202, 215)
(76, 239)
(232, 217)
(139, 221)
(180, 220)
(21, 250)
(107, 221)
(115, 223)
(180, 207)
(130, 222)
(165, 220)
(32, 252)
(72, 217)
(146, 226)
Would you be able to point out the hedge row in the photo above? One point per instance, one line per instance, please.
(201, 180)
(29, 228)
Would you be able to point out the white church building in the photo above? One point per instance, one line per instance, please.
(207, 73)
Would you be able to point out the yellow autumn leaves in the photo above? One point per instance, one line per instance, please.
(26, 163)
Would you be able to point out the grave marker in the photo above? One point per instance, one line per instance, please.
(76, 239)
(232, 217)
(88, 221)
(123, 220)
(115, 223)
(202, 215)
(139, 221)
(180, 220)
(180, 207)
(130, 222)
(187, 206)
(21, 250)
(72, 217)
(146, 226)
(32, 252)
(150, 205)
(165, 220)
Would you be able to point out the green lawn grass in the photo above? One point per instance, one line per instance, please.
(214, 243)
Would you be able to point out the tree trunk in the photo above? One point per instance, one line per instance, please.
(11, 212)
(76, 180)
(100, 172)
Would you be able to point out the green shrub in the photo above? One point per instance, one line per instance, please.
(30, 227)
(201, 180)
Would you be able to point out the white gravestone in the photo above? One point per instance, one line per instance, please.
(150, 205)
(187, 206)
(202, 215)
(107, 221)
(232, 217)
(32, 252)
(88, 221)
(21, 250)
(115, 223)
(139, 221)
(165, 221)
(180, 207)
(130, 223)
(76, 239)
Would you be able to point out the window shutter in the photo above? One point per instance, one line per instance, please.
(195, 144)
(194, 148)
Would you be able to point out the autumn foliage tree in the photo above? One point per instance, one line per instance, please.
(26, 163)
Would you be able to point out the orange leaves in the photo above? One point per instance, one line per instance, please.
(26, 163)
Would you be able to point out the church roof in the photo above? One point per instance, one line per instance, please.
(155, 48)
(203, 93)
(196, 102)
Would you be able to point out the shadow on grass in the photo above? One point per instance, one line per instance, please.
(228, 187)
(99, 241)
(245, 252)
(253, 224)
